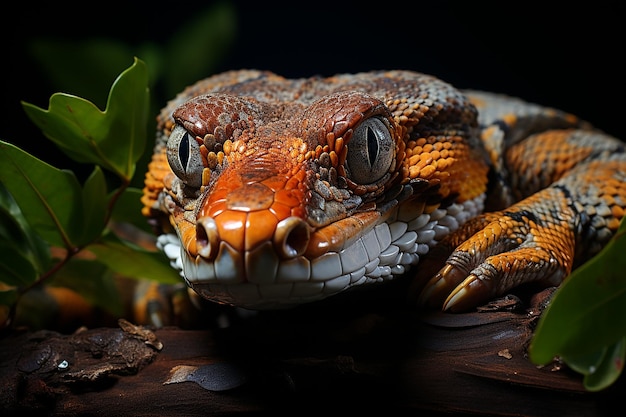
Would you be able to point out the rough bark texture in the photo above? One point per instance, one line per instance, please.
(334, 357)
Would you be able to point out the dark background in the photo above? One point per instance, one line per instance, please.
(570, 58)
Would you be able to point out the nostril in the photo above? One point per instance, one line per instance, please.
(201, 237)
(207, 237)
(291, 237)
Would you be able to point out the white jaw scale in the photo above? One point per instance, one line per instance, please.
(382, 253)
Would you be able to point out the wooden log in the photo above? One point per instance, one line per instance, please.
(334, 356)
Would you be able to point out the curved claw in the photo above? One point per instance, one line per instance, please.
(469, 294)
(453, 290)
(440, 286)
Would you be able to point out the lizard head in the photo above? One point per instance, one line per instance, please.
(274, 202)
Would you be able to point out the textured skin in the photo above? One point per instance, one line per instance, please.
(275, 203)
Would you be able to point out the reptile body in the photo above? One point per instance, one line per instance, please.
(268, 192)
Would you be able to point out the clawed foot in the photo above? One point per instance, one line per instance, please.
(503, 251)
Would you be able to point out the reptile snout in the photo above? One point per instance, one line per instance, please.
(290, 236)
(247, 208)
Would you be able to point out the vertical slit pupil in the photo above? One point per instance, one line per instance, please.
(183, 151)
(372, 146)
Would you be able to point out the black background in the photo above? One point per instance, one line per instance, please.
(570, 58)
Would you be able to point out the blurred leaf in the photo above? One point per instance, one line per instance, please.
(587, 312)
(15, 269)
(36, 310)
(81, 66)
(133, 261)
(95, 205)
(16, 232)
(198, 46)
(128, 209)
(7, 297)
(609, 368)
(94, 281)
(113, 139)
(49, 198)
(587, 363)
(56, 307)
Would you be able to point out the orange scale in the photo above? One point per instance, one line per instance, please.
(288, 197)
(275, 183)
(260, 227)
(281, 211)
(294, 181)
(231, 177)
(220, 193)
(230, 226)
(298, 212)
(214, 209)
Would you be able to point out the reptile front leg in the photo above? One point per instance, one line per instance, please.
(540, 239)
(532, 242)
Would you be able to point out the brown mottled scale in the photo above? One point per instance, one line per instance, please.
(268, 175)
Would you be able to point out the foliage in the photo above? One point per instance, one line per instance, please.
(51, 222)
(193, 51)
(59, 230)
(585, 323)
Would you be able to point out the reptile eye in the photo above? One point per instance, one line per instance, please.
(183, 155)
(370, 151)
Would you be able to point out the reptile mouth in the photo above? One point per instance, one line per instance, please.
(298, 265)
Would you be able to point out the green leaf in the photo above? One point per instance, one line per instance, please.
(92, 280)
(95, 205)
(49, 198)
(587, 363)
(608, 370)
(15, 269)
(114, 138)
(133, 261)
(587, 312)
(128, 210)
(207, 37)
(16, 232)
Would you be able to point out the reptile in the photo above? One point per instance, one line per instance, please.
(267, 192)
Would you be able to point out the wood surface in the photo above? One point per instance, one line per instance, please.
(362, 356)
